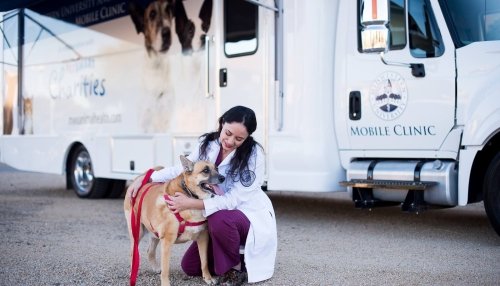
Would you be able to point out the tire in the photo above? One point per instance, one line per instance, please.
(82, 178)
(116, 189)
(491, 192)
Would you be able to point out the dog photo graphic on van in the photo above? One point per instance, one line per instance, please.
(173, 33)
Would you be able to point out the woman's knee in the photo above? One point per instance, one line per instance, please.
(219, 222)
(219, 216)
(228, 221)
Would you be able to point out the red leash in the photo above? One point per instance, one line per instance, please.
(135, 222)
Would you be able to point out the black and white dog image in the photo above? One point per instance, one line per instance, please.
(155, 22)
(173, 67)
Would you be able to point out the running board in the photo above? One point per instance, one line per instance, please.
(376, 182)
(362, 193)
(388, 184)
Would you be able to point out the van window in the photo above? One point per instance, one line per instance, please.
(397, 25)
(240, 28)
(425, 38)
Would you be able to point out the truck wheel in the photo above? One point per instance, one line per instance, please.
(82, 177)
(491, 191)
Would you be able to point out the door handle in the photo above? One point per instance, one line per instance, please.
(355, 105)
(223, 77)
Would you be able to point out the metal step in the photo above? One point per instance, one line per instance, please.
(388, 184)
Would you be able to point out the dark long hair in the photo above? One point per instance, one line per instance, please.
(239, 114)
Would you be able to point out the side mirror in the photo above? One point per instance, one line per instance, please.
(374, 19)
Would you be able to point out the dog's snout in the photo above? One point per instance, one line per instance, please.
(166, 39)
(221, 178)
(165, 33)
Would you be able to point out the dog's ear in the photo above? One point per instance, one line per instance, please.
(205, 15)
(136, 12)
(183, 27)
(186, 164)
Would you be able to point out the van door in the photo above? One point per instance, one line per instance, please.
(400, 110)
(244, 62)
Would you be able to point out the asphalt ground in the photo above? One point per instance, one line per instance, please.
(50, 237)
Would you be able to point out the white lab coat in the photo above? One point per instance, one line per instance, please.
(261, 244)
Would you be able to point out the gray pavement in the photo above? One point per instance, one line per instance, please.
(50, 237)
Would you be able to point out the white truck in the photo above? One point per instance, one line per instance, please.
(393, 101)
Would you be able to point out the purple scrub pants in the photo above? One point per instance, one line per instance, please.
(228, 229)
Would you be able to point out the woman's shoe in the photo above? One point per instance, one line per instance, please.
(233, 278)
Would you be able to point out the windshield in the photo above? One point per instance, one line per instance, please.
(472, 20)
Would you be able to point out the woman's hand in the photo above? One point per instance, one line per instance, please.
(179, 202)
(136, 185)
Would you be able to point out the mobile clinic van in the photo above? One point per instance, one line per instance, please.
(393, 101)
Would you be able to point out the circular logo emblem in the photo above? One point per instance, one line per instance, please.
(388, 96)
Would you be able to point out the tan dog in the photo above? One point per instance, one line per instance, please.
(196, 181)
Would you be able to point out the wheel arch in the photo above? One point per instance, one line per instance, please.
(69, 154)
(481, 162)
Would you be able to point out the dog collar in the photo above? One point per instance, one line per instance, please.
(188, 191)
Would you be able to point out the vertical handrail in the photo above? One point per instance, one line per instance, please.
(280, 65)
(208, 94)
(20, 70)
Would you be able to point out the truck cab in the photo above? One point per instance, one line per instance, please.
(418, 118)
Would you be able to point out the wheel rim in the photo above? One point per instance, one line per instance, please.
(82, 174)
